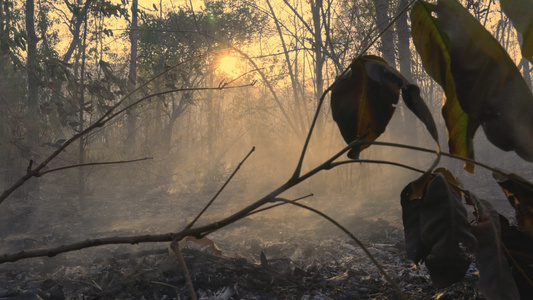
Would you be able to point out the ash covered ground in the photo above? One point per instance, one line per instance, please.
(285, 253)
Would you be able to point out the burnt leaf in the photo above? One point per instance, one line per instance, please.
(444, 228)
(364, 99)
(411, 97)
(204, 241)
(488, 84)
(519, 250)
(411, 209)
(495, 278)
(521, 14)
(434, 48)
(519, 192)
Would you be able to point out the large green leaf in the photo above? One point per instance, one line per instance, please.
(495, 278)
(365, 99)
(433, 46)
(521, 14)
(488, 84)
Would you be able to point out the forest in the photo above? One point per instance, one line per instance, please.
(272, 149)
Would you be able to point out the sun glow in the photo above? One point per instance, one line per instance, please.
(229, 65)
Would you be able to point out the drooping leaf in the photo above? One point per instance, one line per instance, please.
(444, 228)
(411, 209)
(521, 14)
(519, 251)
(364, 99)
(433, 46)
(519, 192)
(495, 278)
(411, 97)
(488, 84)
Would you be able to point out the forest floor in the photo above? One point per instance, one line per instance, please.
(288, 254)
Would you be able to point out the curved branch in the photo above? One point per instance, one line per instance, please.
(250, 209)
(371, 161)
(354, 238)
(91, 164)
(221, 189)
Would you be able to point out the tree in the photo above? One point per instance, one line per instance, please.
(387, 49)
(132, 73)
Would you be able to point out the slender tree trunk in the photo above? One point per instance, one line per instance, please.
(132, 78)
(526, 70)
(404, 34)
(31, 60)
(33, 85)
(77, 21)
(81, 116)
(524, 65)
(387, 39)
(5, 24)
(292, 75)
(404, 58)
(316, 8)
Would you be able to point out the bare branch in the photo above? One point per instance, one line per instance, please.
(380, 162)
(355, 239)
(176, 248)
(250, 209)
(92, 164)
(220, 190)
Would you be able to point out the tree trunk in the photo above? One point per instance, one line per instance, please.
(404, 34)
(132, 79)
(83, 140)
(526, 70)
(5, 24)
(316, 8)
(524, 65)
(31, 61)
(292, 75)
(32, 139)
(76, 30)
(404, 58)
(387, 39)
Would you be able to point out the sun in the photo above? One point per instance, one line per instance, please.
(229, 65)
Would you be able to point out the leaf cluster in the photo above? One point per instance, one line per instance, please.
(483, 88)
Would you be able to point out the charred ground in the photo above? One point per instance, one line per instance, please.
(282, 254)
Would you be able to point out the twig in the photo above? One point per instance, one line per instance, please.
(373, 161)
(51, 252)
(462, 158)
(165, 284)
(262, 210)
(103, 121)
(353, 237)
(221, 189)
(96, 285)
(176, 248)
(92, 164)
(279, 204)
